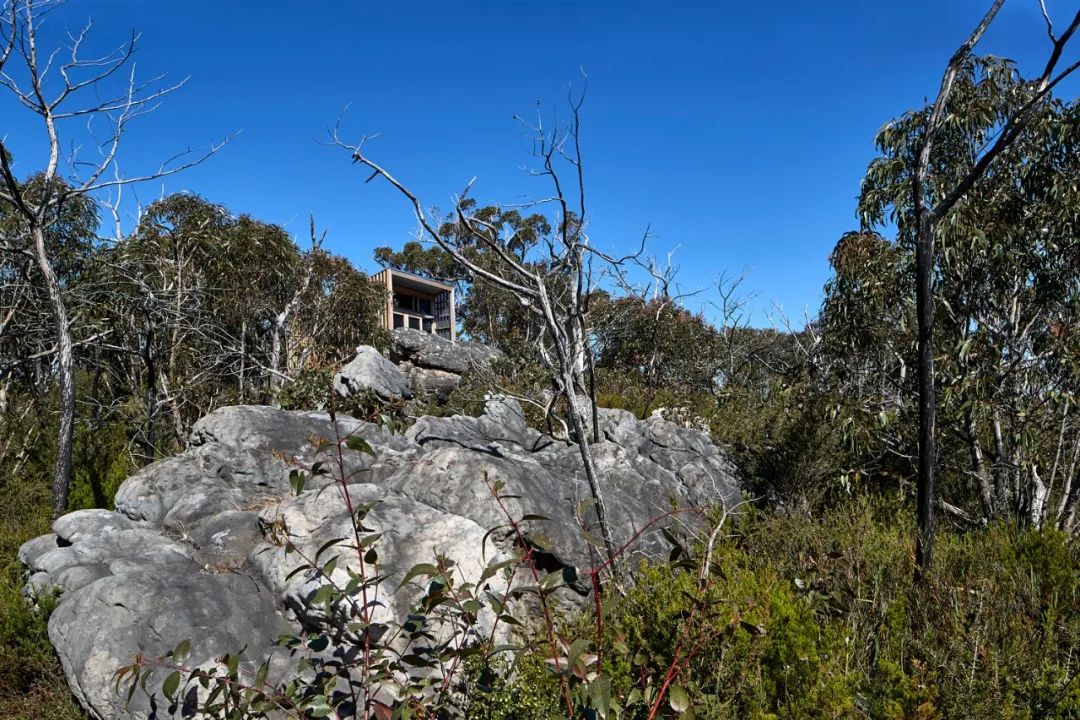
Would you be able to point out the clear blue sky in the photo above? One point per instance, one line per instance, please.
(739, 131)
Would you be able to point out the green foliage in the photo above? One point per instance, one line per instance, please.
(1007, 285)
(101, 462)
(522, 690)
(309, 390)
(818, 618)
(32, 686)
(658, 342)
(203, 293)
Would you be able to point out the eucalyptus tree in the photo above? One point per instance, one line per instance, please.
(253, 274)
(338, 309)
(167, 336)
(1006, 289)
(27, 334)
(929, 206)
(207, 308)
(28, 339)
(67, 91)
(649, 339)
(206, 299)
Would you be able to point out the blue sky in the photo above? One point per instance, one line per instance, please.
(738, 132)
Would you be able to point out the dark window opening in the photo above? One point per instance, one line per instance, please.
(411, 303)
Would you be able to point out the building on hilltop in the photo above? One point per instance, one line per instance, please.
(418, 303)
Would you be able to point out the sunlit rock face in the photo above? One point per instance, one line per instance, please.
(417, 364)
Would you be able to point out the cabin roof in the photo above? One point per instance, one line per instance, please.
(416, 282)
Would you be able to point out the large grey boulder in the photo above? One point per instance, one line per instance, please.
(369, 371)
(194, 550)
(430, 383)
(425, 350)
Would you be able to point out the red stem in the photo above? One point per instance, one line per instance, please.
(549, 623)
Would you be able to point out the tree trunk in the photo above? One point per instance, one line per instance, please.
(243, 358)
(1001, 464)
(174, 358)
(279, 350)
(66, 368)
(174, 408)
(978, 464)
(924, 308)
(1067, 498)
(275, 353)
(578, 425)
(150, 436)
(1037, 502)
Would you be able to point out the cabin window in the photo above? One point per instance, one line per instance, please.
(411, 303)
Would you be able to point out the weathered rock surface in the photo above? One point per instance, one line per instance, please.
(194, 549)
(433, 352)
(419, 364)
(428, 383)
(369, 371)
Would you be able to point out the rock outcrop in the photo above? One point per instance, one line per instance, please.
(370, 372)
(194, 550)
(434, 365)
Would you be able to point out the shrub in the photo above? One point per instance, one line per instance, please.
(32, 686)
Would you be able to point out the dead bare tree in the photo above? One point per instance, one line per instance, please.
(556, 288)
(58, 92)
(930, 208)
(281, 319)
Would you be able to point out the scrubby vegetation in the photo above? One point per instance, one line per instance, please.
(774, 615)
(32, 686)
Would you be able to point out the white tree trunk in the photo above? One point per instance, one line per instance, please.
(65, 360)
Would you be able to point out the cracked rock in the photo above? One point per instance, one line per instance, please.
(194, 549)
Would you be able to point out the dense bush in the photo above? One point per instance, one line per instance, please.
(32, 687)
(820, 619)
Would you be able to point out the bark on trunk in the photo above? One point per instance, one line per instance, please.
(275, 353)
(65, 361)
(578, 425)
(978, 465)
(924, 308)
(150, 436)
(1067, 499)
(243, 358)
(174, 409)
(1000, 466)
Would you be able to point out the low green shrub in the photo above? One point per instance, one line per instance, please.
(819, 618)
(32, 686)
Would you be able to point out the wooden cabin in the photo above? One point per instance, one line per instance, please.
(418, 303)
